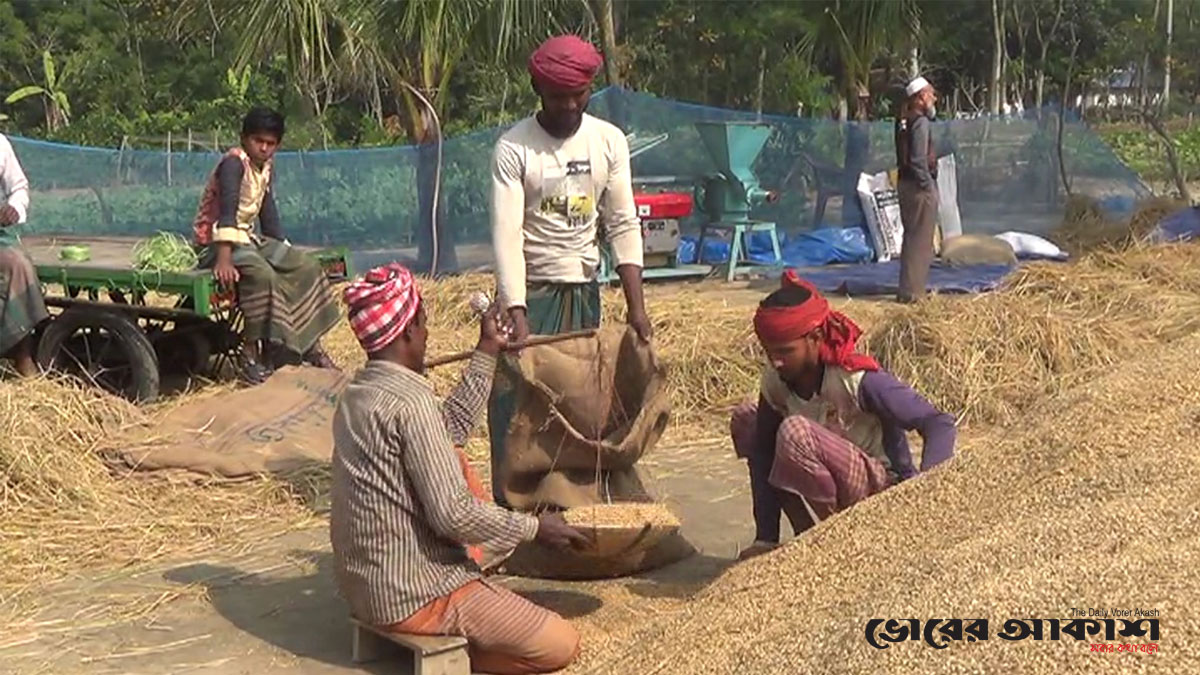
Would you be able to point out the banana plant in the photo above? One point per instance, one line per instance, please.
(55, 100)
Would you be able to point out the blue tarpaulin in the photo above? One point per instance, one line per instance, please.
(1183, 225)
(829, 245)
(883, 278)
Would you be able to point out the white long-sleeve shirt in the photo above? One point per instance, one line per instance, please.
(13, 181)
(548, 196)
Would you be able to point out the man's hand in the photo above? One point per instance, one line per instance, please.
(631, 282)
(640, 324)
(554, 532)
(491, 339)
(224, 271)
(520, 325)
(8, 215)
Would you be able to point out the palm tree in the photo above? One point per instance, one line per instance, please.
(408, 48)
(855, 34)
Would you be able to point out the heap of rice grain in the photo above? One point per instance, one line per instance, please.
(621, 515)
(1093, 506)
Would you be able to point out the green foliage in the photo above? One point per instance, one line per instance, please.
(1143, 151)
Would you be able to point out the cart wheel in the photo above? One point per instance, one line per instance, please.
(183, 352)
(102, 348)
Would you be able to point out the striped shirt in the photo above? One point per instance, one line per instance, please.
(401, 509)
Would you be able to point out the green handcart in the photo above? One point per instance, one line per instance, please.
(122, 329)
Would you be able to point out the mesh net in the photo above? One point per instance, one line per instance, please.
(367, 199)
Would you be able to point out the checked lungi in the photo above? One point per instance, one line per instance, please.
(283, 294)
(810, 461)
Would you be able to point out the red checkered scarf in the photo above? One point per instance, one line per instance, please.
(785, 324)
(382, 304)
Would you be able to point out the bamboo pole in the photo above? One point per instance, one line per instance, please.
(530, 342)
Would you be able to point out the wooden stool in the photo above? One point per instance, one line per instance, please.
(427, 654)
(739, 246)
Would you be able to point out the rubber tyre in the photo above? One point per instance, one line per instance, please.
(128, 335)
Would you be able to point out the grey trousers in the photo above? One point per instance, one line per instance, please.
(918, 213)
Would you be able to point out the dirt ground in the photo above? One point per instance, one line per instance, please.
(274, 608)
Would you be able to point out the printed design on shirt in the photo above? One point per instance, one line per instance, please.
(570, 197)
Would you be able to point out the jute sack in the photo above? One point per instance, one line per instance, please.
(977, 249)
(586, 411)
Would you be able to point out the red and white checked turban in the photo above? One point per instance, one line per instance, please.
(382, 304)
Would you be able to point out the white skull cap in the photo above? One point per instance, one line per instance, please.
(916, 86)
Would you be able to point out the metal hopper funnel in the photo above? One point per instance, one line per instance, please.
(733, 146)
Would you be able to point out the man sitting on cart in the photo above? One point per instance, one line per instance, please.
(22, 307)
(283, 293)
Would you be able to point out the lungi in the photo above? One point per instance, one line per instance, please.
(505, 633)
(283, 294)
(22, 306)
(551, 309)
(918, 213)
(810, 461)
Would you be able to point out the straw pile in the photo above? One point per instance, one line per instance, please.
(62, 513)
(987, 358)
(1092, 506)
(1085, 227)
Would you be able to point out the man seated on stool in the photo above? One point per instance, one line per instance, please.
(402, 513)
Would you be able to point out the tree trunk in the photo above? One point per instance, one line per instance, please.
(1062, 106)
(762, 67)
(1144, 76)
(1167, 60)
(608, 39)
(997, 57)
(914, 52)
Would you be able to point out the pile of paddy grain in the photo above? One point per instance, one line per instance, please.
(1089, 505)
(989, 358)
(63, 513)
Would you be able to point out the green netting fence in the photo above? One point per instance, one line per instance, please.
(367, 199)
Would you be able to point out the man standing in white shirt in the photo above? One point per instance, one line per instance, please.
(560, 179)
(22, 306)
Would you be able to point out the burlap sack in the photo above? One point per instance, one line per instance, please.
(586, 412)
(977, 249)
(281, 426)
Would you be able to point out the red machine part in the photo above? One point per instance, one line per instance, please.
(663, 205)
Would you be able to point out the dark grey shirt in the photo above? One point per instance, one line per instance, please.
(920, 137)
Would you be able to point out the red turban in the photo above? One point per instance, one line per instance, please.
(565, 62)
(784, 324)
(382, 304)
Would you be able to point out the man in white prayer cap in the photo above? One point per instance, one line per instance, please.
(916, 162)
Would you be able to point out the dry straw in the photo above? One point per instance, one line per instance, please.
(63, 514)
(986, 358)
(1086, 228)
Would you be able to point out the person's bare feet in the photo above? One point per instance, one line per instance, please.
(22, 358)
(26, 367)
